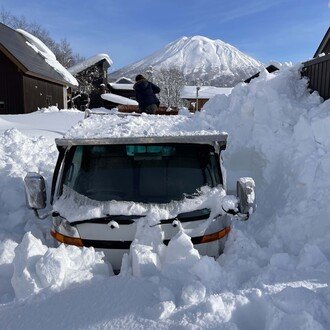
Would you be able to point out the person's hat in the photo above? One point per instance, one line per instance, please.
(139, 77)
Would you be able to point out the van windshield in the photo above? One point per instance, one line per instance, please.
(141, 173)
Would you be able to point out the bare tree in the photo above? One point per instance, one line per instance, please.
(62, 50)
(170, 81)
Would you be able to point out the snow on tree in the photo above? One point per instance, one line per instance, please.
(170, 82)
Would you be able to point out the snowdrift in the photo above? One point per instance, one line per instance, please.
(273, 274)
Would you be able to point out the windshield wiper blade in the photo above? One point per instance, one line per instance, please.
(121, 219)
(195, 215)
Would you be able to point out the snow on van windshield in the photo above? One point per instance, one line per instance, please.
(74, 206)
(98, 126)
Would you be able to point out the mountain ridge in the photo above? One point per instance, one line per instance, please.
(213, 62)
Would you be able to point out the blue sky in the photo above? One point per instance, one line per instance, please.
(128, 30)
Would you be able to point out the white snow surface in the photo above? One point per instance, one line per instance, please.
(213, 62)
(40, 48)
(113, 126)
(89, 62)
(75, 207)
(273, 274)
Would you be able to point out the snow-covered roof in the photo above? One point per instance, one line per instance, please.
(90, 62)
(39, 47)
(121, 86)
(124, 80)
(143, 126)
(205, 92)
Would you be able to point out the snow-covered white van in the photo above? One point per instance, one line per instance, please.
(113, 172)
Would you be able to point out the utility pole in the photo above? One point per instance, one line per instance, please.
(197, 90)
(150, 72)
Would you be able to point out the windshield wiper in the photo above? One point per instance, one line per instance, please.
(121, 219)
(195, 215)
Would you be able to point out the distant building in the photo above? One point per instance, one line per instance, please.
(124, 80)
(92, 75)
(30, 76)
(197, 96)
(122, 87)
(270, 68)
(317, 70)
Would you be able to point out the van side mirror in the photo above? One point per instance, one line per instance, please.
(35, 191)
(246, 196)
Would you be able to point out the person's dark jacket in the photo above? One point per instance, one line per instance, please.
(145, 93)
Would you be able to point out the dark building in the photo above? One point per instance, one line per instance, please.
(270, 68)
(324, 46)
(92, 75)
(122, 87)
(27, 81)
(317, 70)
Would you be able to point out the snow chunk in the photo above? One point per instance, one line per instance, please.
(161, 311)
(181, 250)
(193, 293)
(37, 267)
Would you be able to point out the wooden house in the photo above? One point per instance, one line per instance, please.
(27, 81)
(317, 70)
(197, 96)
(92, 75)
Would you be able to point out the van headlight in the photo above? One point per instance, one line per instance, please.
(64, 227)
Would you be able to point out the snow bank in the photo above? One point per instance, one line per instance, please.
(37, 267)
(274, 272)
(18, 155)
(278, 261)
(144, 125)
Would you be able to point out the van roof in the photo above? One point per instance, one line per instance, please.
(132, 129)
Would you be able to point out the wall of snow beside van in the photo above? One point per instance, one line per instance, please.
(277, 134)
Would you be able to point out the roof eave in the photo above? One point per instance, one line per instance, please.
(323, 43)
(39, 76)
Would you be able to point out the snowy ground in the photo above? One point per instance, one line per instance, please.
(274, 273)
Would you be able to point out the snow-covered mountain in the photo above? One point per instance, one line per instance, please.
(214, 62)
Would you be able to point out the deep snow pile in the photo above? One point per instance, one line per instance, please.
(110, 126)
(274, 272)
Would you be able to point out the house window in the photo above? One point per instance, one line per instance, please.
(48, 100)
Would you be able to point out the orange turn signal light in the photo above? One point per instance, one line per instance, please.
(215, 236)
(66, 239)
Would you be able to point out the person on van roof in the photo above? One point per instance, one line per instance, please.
(145, 93)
